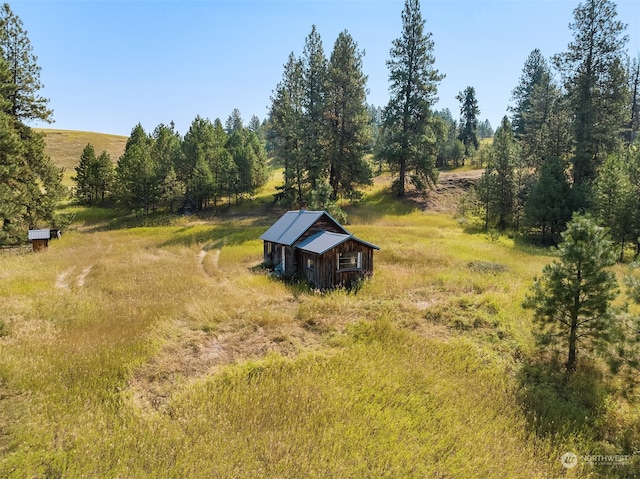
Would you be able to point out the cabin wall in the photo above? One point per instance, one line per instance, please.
(273, 253)
(40, 244)
(325, 273)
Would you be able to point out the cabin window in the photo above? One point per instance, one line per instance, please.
(309, 263)
(268, 247)
(350, 260)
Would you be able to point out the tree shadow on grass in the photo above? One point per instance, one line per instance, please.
(560, 405)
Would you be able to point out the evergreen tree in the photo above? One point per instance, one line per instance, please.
(287, 132)
(198, 150)
(544, 135)
(243, 159)
(485, 130)
(94, 176)
(591, 69)
(549, 204)
(314, 78)
(616, 201)
(12, 189)
(535, 72)
(259, 167)
(85, 175)
(220, 162)
(105, 175)
(409, 142)
(469, 112)
(166, 148)
(31, 185)
(448, 145)
(42, 180)
(572, 299)
(166, 152)
(633, 73)
(504, 158)
(138, 181)
(347, 134)
(632, 167)
(234, 122)
(24, 73)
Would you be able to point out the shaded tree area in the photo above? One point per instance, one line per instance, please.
(409, 134)
(94, 176)
(574, 120)
(30, 185)
(320, 125)
(164, 171)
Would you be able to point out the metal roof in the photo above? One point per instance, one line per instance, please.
(39, 234)
(293, 224)
(323, 241)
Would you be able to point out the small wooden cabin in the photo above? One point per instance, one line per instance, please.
(39, 239)
(314, 246)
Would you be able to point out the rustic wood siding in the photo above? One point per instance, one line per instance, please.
(325, 273)
(270, 253)
(40, 244)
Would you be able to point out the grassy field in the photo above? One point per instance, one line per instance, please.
(154, 347)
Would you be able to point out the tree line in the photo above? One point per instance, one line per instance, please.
(30, 185)
(211, 164)
(321, 127)
(571, 144)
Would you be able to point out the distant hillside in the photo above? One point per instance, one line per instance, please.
(65, 147)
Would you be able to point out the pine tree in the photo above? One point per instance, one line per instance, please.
(31, 184)
(194, 170)
(42, 180)
(549, 204)
(469, 112)
(572, 299)
(234, 122)
(535, 72)
(139, 184)
(616, 201)
(166, 148)
(504, 159)
(633, 73)
(347, 134)
(105, 174)
(12, 173)
(593, 78)
(314, 80)
(85, 175)
(286, 131)
(24, 102)
(409, 142)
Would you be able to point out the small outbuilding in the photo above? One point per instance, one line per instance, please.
(314, 246)
(39, 239)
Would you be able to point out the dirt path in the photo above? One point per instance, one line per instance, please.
(452, 185)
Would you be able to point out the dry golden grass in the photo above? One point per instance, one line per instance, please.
(160, 351)
(64, 147)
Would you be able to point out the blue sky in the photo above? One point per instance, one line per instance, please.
(108, 65)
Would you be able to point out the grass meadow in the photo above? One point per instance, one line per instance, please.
(156, 347)
(65, 148)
